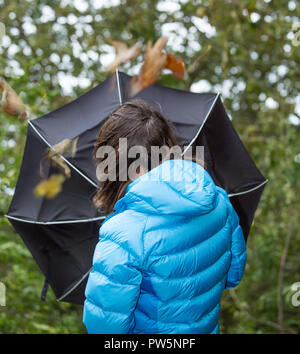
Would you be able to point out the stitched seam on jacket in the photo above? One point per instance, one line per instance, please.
(182, 300)
(186, 198)
(187, 172)
(239, 263)
(143, 243)
(182, 323)
(133, 195)
(199, 243)
(241, 254)
(110, 278)
(189, 276)
(142, 274)
(123, 248)
(194, 246)
(94, 303)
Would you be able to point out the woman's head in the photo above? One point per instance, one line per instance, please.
(141, 125)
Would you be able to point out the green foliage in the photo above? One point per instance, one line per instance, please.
(24, 312)
(251, 51)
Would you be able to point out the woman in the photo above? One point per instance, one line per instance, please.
(172, 244)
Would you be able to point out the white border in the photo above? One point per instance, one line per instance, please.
(119, 88)
(202, 125)
(74, 286)
(55, 222)
(195, 137)
(249, 190)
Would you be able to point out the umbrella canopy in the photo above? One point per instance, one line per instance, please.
(61, 233)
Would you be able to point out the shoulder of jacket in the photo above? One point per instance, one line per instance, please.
(125, 229)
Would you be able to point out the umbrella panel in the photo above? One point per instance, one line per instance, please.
(64, 256)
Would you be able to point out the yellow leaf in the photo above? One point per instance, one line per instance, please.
(50, 187)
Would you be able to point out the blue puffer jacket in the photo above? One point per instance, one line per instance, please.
(165, 255)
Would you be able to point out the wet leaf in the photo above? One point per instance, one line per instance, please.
(11, 103)
(50, 187)
(123, 54)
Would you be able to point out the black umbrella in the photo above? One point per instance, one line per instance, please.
(61, 233)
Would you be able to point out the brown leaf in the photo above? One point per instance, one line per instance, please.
(11, 103)
(154, 61)
(50, 187)
(56, 161)
(65, 147)
(176, 65)
(60, 163)
(123, 54)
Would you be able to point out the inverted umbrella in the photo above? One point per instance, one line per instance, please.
(61, 233)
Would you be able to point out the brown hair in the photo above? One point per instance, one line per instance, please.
(141, 125)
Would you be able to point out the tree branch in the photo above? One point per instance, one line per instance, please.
(297, 115)
(243, 309)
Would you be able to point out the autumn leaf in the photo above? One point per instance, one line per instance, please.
(123, 54)
(11, 103)
(50, 187)
(176, 65)
(155, 60)
(65, 147)
(61, 164)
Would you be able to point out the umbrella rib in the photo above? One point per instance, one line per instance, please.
(249, 190)
(55, 222)
(202, 125)
(68, 162)
(74, 286)
(119, 88)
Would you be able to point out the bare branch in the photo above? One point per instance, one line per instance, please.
(243, 309)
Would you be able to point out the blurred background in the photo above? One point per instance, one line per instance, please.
(248, 50)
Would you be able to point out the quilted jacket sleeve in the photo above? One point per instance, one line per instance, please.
(238, 247)
(113, 286)
(238, 252)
